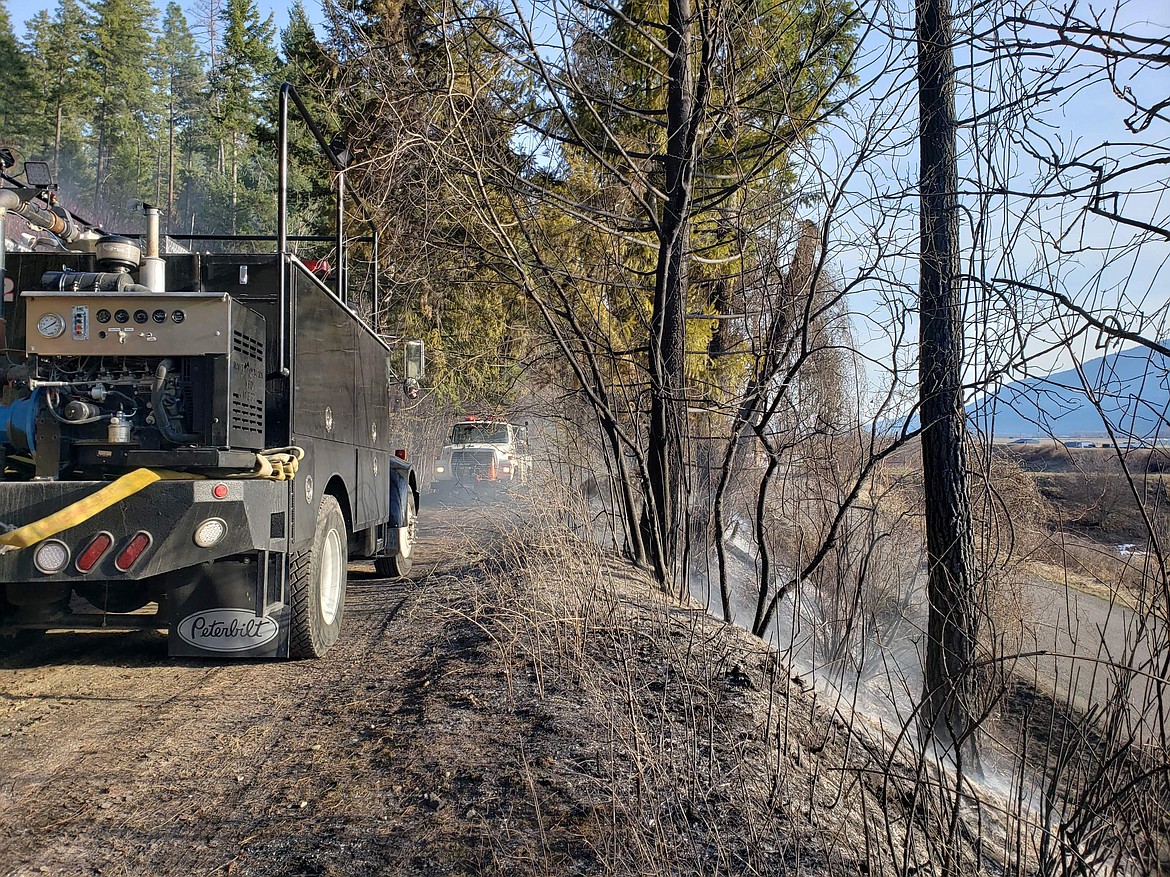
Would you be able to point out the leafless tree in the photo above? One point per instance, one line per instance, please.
(798, 392)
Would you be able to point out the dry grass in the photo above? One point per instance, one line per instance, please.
(670, 743)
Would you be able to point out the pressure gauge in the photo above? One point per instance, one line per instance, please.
(51, 325)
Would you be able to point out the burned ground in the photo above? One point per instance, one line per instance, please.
(522, 705)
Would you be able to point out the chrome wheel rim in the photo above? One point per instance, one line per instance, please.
(406, 534)
(332, 573)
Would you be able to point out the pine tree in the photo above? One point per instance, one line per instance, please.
(56, 56)
(125, 102)
(305, 62)
(247, 61)
(16, 86)
(56, 52)
(307, 65)
(183, 86)
(410, 101)
(683, 115)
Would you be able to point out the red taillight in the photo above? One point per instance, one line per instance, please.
(93, 552)
(219, 491)
(133, 550)
(400, 453)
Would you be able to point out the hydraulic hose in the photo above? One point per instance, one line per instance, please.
(161, 419)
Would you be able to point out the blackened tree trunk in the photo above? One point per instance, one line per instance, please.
(667, 360)
(948, 697)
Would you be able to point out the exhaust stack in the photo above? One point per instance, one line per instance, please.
(152, 273)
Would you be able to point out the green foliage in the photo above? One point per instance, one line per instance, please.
(55, 127)
(183, 88)
(762, 78)
(412, 102)
(125, 103)
(309, 67)
(246, 65)
(16, 85)
(240, 172)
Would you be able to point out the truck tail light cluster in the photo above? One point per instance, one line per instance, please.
(52, 555)
(138, 543)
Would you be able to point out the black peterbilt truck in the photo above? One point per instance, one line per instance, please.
(208, 432)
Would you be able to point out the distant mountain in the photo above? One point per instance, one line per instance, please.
(1131, 387)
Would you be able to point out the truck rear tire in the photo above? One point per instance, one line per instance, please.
(399, 565)
(316, 584)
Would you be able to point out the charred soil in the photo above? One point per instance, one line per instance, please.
(521, 705)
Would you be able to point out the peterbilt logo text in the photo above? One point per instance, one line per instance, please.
(227, 630)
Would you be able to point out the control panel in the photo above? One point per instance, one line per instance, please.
(130, 324)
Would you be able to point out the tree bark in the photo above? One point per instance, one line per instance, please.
(952, 630)
(668, 409)
(57, 140)
(171, 154)
(100, 164)
(235, 190)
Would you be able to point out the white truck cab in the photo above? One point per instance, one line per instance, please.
(481, 450)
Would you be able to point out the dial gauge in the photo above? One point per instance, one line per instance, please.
(51, 325)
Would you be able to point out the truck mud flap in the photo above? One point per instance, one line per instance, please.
(222, 611)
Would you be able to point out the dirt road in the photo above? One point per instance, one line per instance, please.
(115, 759)
(1088, 641)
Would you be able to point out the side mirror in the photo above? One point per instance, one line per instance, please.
(414, 367)
(414, 360)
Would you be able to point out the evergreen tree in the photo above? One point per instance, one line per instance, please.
(16, 86)
(412, 103)
(183, 87)
(682, 119)
(308, 66)
(125, 102)
(56, 52)
(247, 63)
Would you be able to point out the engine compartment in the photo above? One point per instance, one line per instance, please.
(117, 379)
